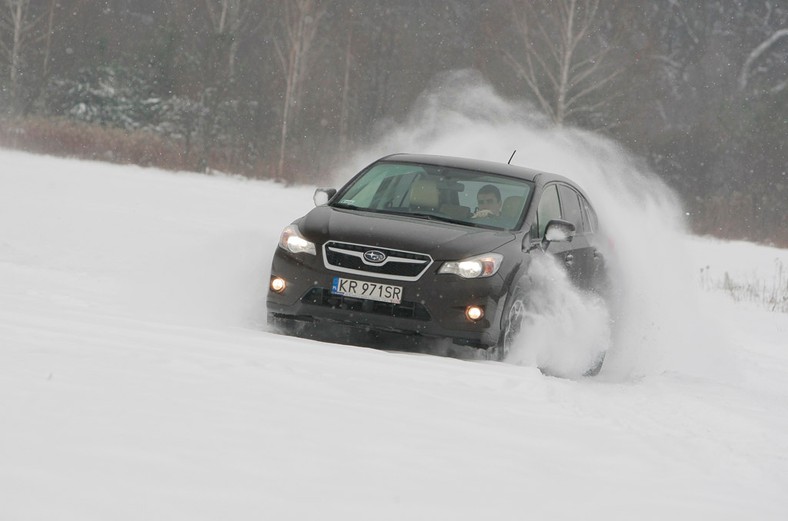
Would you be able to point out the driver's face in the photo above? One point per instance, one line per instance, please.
(489, 202)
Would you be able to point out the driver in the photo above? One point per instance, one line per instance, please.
(489, 201)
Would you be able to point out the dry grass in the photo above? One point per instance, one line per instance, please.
(70, 139)
(84, 141)
(771, 294)
(743, 217)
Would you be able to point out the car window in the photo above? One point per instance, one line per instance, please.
(590, 216)
(383, 187)
(570, 206)
(442, 193)
(549, 208)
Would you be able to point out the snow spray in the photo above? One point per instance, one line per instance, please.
(652, 324)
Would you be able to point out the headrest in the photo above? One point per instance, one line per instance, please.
(512, 206)
(424, 193)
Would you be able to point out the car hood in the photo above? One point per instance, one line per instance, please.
(442, 241)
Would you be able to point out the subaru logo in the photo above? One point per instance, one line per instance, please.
(375, 256)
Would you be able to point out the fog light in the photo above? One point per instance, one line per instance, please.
(474, 313)
(278, 284)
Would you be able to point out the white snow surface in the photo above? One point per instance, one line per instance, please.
(138, 381)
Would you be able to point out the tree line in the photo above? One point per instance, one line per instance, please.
(266, 87)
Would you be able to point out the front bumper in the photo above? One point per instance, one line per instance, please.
(433, 306)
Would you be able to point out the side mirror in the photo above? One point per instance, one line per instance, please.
(559, 230)
(323, 196)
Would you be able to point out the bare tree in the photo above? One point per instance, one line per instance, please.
(229, 19)
(221, 27)
(17, 31)
(300, 21)
(344, 107)
(756, 53)
(558, 56)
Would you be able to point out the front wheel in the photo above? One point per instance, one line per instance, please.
(510, 330)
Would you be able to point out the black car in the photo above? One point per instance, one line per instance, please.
(430, 246)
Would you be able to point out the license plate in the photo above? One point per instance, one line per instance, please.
(367, 290)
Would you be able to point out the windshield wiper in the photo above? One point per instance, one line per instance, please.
(346, 206)
(419, 215)
(433, 217)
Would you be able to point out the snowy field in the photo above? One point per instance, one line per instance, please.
(137, 380)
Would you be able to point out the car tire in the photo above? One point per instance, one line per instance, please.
(512, 325)
(594, 369)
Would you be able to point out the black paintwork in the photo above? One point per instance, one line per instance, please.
(441, 298)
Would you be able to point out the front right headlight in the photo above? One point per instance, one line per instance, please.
(480, 266)
(292, 241)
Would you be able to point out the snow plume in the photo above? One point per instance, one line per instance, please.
(655, 322)
(565, 331)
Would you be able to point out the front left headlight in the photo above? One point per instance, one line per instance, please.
(292, 241)
(480, 266)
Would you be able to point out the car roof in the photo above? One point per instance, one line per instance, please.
(491, 167)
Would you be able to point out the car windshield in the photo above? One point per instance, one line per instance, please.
(439, 193)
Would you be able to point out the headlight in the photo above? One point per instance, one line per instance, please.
(292, 241)
(474, 267)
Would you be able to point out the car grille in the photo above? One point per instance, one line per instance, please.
(397, 265)
(405, 309)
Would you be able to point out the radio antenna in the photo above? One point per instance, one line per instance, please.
(510, 159)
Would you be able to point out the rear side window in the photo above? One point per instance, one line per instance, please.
(549, 208)
(591, 220)
(571, 206)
